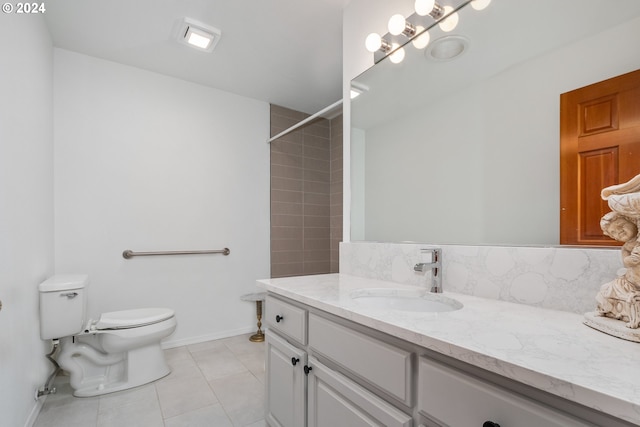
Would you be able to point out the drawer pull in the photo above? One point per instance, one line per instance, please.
(294, 361)
(279, 318)
(490, 424)
(308, 369)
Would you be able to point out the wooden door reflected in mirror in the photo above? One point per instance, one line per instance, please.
(599, 147)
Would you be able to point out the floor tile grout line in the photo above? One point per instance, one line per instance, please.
(218, 401)
(155, 388)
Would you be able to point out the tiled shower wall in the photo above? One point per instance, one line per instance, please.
(306, 194)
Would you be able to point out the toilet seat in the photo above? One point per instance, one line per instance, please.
(126, 319)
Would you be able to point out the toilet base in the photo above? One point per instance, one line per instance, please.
(94, 373)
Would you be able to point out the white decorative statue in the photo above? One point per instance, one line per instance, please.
(619, 299)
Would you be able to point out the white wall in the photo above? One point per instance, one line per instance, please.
(26, 209)
(149, 163)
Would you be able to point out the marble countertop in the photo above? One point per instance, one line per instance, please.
(547, 349)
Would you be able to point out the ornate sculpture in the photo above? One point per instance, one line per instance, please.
(619, 299)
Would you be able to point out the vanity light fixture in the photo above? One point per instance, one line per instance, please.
(375, 42)
(398, 25)
(429, 7)
(423, 38)
(480, 4)
(397, 56)
(197, 35)
(415, 28)
(451, 21)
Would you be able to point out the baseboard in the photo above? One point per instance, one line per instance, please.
(35, 411)
(208, 337)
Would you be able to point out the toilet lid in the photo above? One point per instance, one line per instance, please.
(132, 318)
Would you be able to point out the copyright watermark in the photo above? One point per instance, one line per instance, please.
(23, 8)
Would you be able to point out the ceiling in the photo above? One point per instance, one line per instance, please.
(284, 52)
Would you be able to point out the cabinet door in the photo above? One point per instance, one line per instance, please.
(335, 400)
(285, 378)
(448, 397)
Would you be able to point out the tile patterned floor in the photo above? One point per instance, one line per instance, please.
(214, 384)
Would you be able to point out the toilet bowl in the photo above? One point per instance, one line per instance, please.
(118, 351)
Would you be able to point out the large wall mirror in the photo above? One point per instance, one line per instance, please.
(466, 150)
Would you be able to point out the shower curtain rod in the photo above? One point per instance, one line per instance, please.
(305, 121)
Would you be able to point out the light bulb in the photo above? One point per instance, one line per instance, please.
(423, 39)
(398, 55)
(373, 42)
(424, 7)
(480, 4)
(450, 22)
(198, 40)
(396, 24)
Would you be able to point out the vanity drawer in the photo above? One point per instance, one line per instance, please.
(286, 319)
(448, 397)
(378, 363)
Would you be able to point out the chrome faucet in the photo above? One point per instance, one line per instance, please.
(435, 265)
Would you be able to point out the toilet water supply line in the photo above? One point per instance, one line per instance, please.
(46, 388)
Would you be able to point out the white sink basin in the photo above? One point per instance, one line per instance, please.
(404, 300)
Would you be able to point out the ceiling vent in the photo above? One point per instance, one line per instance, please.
(197, 35)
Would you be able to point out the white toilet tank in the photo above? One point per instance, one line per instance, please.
(63, 305)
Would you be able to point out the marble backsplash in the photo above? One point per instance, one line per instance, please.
(559, 278)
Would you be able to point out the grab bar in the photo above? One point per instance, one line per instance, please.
(130, 254)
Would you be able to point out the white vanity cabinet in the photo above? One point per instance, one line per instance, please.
(302, 391)
(448, 397)
(326, 371)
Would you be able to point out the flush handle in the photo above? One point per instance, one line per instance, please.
(69, 295)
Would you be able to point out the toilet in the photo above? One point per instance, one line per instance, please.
(119, 350)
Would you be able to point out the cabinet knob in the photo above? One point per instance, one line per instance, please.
(294, 361)
(490, 424)
(279, 318)
(308, 369)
